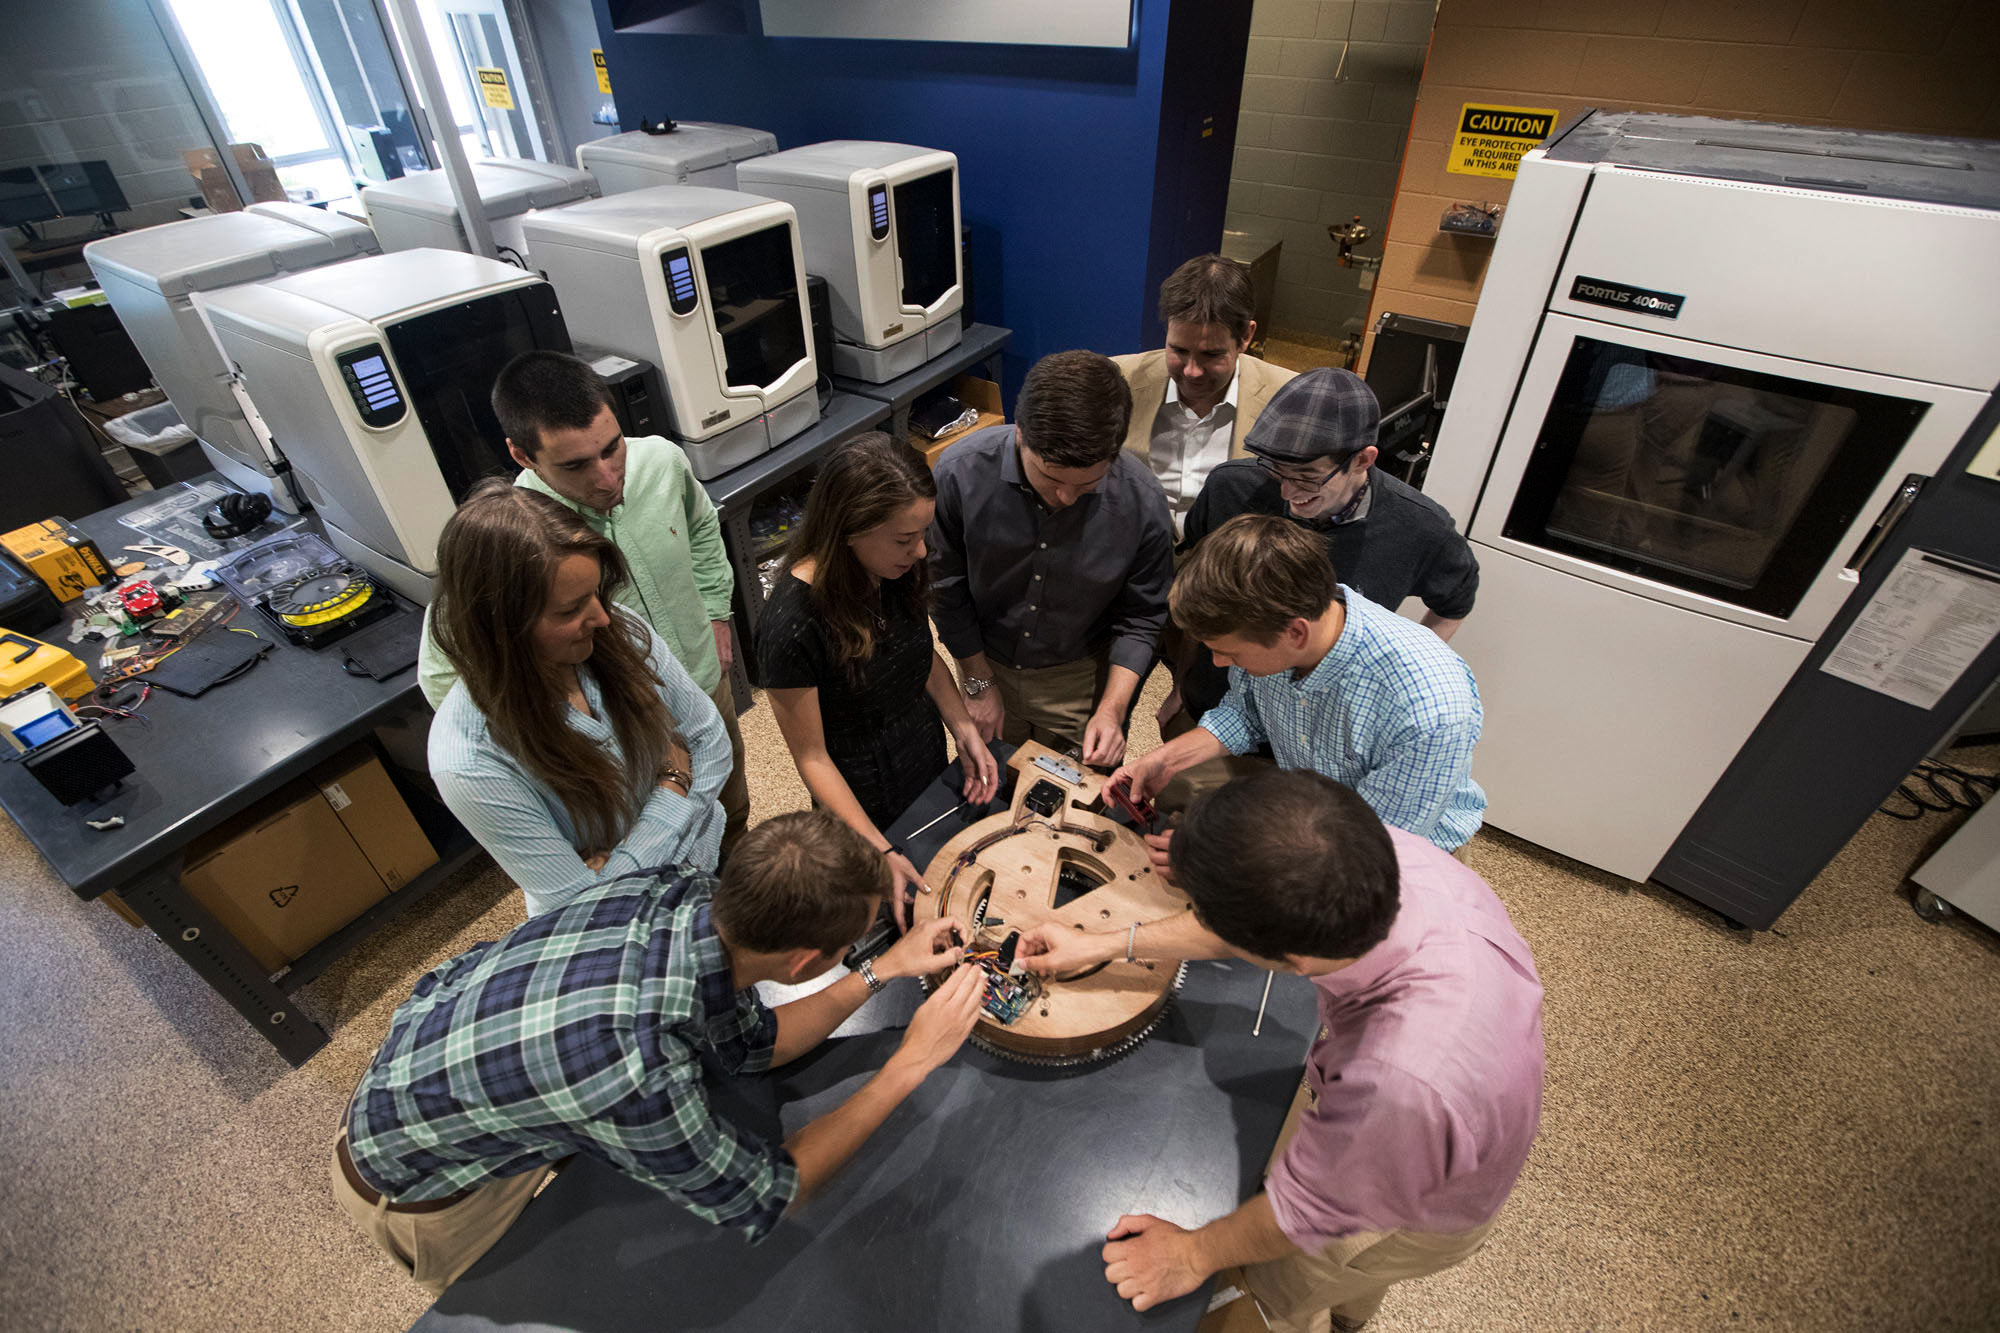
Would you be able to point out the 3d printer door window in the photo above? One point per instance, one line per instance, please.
(753, 289)
(449, 359)
(927, 238)
(1730, 483)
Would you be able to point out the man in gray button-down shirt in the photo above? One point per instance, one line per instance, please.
(1051, 555)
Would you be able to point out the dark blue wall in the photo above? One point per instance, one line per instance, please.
(1058, 151)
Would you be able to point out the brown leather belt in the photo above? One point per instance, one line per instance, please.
(370, 1197)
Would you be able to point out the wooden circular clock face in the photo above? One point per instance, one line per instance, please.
(1053, 858)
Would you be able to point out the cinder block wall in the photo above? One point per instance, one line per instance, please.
(1931, 66)
(1310, 151)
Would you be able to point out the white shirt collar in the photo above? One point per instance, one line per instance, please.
(1229, 395)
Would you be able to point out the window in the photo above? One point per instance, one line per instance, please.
(753, 290)
(310, 81)
(1727, 482)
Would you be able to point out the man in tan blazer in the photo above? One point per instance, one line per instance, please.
(1195, 399)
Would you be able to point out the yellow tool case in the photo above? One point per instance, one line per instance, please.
(25, 661)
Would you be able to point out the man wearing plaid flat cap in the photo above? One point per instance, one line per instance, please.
(1312, 459)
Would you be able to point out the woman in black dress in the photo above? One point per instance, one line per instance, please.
(844, 650)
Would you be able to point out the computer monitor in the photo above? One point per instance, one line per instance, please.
(22, 198)
(58, 190)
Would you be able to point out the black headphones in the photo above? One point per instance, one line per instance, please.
(235, 514)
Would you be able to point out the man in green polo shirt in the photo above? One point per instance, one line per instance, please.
(642, 495)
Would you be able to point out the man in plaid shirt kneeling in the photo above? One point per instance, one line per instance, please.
(583, 1031)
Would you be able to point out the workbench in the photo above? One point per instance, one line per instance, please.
(981, 1203)
(203, 760)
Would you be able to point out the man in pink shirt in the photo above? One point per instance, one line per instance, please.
(1422, 1093)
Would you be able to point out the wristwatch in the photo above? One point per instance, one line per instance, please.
(867, 971)
(975, 686)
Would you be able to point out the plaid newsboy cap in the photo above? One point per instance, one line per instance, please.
(1323, 413)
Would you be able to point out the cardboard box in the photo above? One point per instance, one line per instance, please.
(301, 864)
(259, 172)
(361, 792)
(982, 394)
(57, 553)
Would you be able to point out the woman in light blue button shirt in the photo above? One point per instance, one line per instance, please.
(574, 746)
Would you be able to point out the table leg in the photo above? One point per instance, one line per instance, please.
(205, 945)
(749, 592)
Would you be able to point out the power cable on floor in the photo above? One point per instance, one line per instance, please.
(1939, 788)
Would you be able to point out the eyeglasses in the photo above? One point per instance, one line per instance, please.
(1286, 472)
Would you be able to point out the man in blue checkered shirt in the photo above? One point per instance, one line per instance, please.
(583, 1031)
(1331, 681)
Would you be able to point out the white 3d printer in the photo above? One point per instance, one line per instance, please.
(1710, 363)
(708, 285)
(419, 211)
(152, 278)
(374, 378)
(881, 225)
(694, 152)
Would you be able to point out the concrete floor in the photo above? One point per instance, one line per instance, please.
(1798, 1129)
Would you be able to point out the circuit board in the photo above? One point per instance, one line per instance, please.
(1010, 990)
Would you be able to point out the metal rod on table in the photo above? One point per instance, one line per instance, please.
(1258, 1031)
(939, 820)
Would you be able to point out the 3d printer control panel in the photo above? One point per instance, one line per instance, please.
(372, 386)
(681, 298)
(878, 212)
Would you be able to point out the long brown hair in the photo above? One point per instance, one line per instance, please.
(861, 486)
(496, 563)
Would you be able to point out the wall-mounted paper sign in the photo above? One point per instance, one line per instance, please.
(493, 86)
(1491, 140)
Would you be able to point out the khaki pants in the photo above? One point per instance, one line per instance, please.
(434, 1248)
(1051, 705)
(1348, 1279)
(1304, 1293)
(735, 794)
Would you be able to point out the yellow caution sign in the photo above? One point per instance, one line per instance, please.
(603, 74)
(493, 83)
(1492, 139)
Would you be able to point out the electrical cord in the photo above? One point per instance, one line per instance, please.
(1949, 788)
(108, 707)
